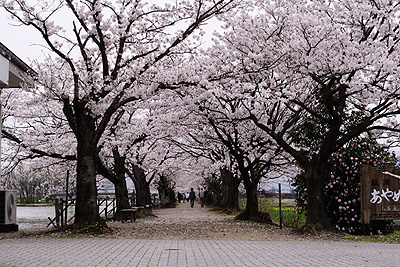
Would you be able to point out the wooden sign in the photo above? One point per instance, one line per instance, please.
(380, 194)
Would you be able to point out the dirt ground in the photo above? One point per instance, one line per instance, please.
(183, 222)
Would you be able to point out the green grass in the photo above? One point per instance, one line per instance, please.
(393, 238)
(290, 216)
(291, 219)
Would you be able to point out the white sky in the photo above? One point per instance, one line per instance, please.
(20, 40)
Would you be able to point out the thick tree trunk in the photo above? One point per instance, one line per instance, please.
(317, 214)
(117, 178)
(165, 189)
(143, 196)
(86, 209)
(213, 194)
(251, 210)
(230, 190)
(121, 194)
(121, 190)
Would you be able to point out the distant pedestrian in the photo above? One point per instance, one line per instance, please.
(192, 197)
(187, 197)
(201, 196)
(179, 197)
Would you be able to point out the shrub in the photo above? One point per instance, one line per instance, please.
(343, 186)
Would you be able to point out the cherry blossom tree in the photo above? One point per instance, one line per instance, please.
(108, 55)
(124, 133)
(33, 127)
(211, 114)
(202, 151)
(255, 156)
(22, 119)
(319, 61)
(24, 154)
(140, 152)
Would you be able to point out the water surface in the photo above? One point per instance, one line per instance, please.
(37, 216)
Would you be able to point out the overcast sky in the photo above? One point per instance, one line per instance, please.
(21, 40)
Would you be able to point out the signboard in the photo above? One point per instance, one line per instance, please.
(380, 194)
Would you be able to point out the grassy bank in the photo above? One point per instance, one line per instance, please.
(291, 219)
(290, 215)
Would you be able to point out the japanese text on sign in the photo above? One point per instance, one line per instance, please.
(379, 196)
(390, 208)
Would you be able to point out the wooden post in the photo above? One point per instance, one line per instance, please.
(66, 198)
(57, 215)
(56, 206)
(61, 212)
(113, 204)
(280, 207)
(105, 209)
(365, 207)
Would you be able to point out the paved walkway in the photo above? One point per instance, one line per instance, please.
(47, 251)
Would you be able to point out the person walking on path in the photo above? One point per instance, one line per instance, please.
(201, 196)
(192, 196)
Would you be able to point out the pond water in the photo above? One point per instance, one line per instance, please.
(37, 216)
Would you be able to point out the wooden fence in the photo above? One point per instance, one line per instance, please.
(107, 208)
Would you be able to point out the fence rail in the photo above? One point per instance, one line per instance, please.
(107, 209)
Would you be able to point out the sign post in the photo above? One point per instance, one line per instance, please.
(380, 195)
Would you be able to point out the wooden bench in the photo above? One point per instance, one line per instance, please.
(145, 209)
(129, 214)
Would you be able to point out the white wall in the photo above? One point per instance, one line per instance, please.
(4, 70)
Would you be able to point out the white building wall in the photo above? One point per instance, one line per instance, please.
(4, 71)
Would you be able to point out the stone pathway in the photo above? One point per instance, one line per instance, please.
(183, 222)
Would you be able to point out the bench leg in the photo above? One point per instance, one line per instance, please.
(128, 216)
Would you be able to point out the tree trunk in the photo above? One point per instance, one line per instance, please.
(251, 210)
(230, 190)
(117, 177)
(213, 194)
(121, 190)
(86, 209)
(142, 187)
(121, 194)
(317, 214)
(165, 188)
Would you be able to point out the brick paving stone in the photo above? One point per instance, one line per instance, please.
(138, 252)
(131, 251)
